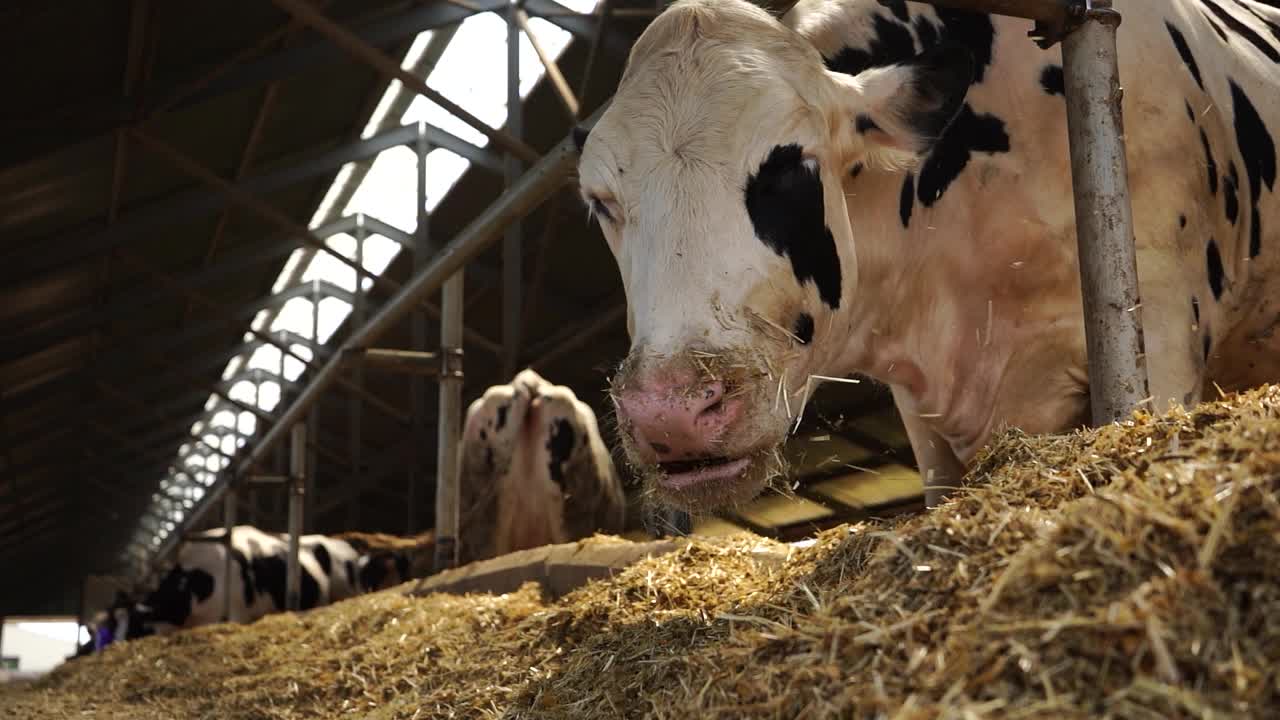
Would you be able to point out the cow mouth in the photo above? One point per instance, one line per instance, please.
(686, 474)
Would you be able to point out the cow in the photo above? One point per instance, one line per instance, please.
(883, 188)
(194, 592)
(533, 470)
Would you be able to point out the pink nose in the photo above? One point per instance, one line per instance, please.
(672, 421)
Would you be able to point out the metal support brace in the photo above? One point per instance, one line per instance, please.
(313, 420)
(449, 425)
(1104, 217)
(229, 502)
(422, 251)
(512, 250)
(297, 494)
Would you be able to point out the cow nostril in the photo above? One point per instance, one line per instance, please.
(804, 328)
(714, 408)
(662, 448)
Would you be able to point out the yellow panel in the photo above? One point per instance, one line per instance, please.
(823, 454)
(884, 426)
(715, 527)
(774, 510)
(893, 483)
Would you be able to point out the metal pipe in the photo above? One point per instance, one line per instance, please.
(422, 251)
(1104, 217)
(228, 521)
(313, 423)
(297, 490)
(512, 247)
(448, 427)
(389, 68)
(355, 409)
(531, 190)
(549, 63)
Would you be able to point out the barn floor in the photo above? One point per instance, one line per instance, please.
(1132, 572)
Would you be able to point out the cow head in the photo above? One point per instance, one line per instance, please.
(381, 570)
(168, 607)
(716, 176)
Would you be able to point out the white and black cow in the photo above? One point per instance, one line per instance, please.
(193, 593)
(533, 471)
(882, 187)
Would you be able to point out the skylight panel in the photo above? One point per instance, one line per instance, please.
(248, 423)
(295, 317)
(268, 395)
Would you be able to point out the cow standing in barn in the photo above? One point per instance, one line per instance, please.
(194, 592)
(534, 470)
(884, 187)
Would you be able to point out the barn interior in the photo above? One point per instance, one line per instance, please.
(161, 210)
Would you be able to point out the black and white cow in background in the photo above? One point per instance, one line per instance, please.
(193, 592)
(533, 471)
(883, 187)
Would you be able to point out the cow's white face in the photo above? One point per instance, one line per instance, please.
(717, 179)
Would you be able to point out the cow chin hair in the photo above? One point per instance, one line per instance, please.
(767, 472)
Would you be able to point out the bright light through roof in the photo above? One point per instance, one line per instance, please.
(472, 72)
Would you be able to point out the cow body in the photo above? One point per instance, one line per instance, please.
(884, 188)
(533, 471)
(195, 591)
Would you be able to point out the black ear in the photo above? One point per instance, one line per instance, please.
(942, 79)
(580, 136)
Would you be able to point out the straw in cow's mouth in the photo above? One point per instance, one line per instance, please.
(685, 466)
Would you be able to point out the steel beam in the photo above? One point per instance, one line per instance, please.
(390, 69)
(512, 245)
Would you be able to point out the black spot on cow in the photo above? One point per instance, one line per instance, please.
(975, 32)
(322, 559)
(1272, 26)
(856, 170)
(967, 134)
(1053, 81)
(201, 584)
(559, 447)
(502, 416)
(1210, 162)
(1258, 151)
(803, 329)
(580, 137)
(246, 577)
(864, 124)
(170, 602)
(943, 77)
(1208, 345)
(1243, 30)
(1182, 221)
(785, 204)
(351, 572)
(1222, 34)
(926, 32)
(1230, 183)
(1217, 274)
(1184, 51)
(899, 8)
(1195, 308)
(890, 43)
(272, 573)
(908, 201)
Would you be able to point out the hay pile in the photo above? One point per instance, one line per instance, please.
(1132, 572)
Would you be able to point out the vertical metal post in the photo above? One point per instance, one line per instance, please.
(418, 337)
(313, 418)
(297, 494)
(228, 521)
(1104, 217)
(355, 404)
(449, 423)
(281, 459)
(512, 263)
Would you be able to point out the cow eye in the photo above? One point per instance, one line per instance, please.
(602, 209)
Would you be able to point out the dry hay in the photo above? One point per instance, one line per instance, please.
(1130, 572)
(418, 549)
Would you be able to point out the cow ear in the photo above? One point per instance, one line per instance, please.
(907, 107)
